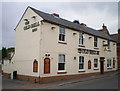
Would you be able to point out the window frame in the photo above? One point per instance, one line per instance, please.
(108, 41)
(63, 62)
(109, 63)
(62, 34)
(95, 41)
(81, 62)
(81, 38)
(95, 63)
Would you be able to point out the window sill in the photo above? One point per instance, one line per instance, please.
(61, 72)
(96, 48)
(96, 68)
(81, 45)
(62, 42)
(109, 67)
(81, 71)
(108, 50)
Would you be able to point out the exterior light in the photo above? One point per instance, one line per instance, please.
(90, 37)
(48, 54)
(114, 44)
(52, 28)
(45, 54)
(34, 17)
(74, 58)
(25, 19)
(74, 34)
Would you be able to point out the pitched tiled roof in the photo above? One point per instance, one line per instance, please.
(115, 37)
(57, 20)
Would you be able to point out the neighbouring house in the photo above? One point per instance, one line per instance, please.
(116, 37)
(50, 48)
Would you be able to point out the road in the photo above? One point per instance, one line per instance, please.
(110, 82)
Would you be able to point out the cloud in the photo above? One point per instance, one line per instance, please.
(91, 13)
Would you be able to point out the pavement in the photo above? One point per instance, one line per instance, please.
(17, 84)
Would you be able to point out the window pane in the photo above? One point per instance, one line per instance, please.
(62, 37)
(62, 30)
(61, 58)
(61, 66)
(82, 59)
(81, 66)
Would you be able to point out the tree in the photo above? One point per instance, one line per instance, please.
(4, 53)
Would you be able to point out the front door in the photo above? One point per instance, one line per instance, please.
(102, 65)
(46, 66)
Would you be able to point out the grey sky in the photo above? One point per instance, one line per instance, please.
(94, 14)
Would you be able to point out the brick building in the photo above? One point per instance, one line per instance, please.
(116, 37)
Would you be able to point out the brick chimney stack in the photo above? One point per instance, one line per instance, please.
(55, 14)
(104, 29)
(83, 24)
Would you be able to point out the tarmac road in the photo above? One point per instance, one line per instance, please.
(106, 81)
(110, 82)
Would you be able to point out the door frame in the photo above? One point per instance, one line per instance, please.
(102, 59)
(45, 66)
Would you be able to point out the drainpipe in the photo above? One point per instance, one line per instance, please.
(40, 47)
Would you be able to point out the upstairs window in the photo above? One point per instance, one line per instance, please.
(108, 44)
(81, 63)
(95, 41)
(62, 34)
(61, 62)
(81, 38)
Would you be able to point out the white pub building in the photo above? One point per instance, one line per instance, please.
(49, 48)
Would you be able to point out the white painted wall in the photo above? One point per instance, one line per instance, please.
(27, 46)
(50, 45)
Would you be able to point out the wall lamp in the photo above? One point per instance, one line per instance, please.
(25, 19)
(34, 17)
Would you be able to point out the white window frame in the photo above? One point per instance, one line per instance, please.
(81, 61)
(96, 41)
(63, 61)
(108, 44)
(62, 34)
(95, 59)
(109, 63)
(81, 38)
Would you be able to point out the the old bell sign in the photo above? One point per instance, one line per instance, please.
(31, 26)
